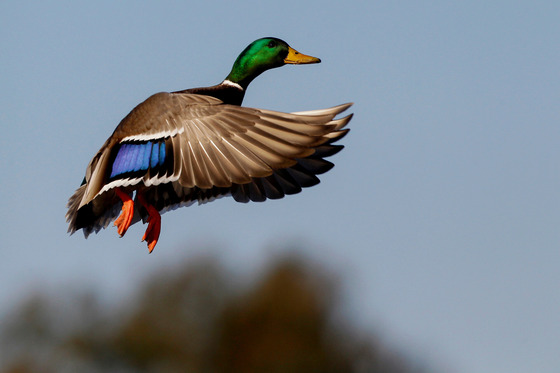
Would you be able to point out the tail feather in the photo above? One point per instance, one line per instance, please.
(73, 206)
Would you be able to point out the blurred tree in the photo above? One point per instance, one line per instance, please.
(280, 326)
(195, 320)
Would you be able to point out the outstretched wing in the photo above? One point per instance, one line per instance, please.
(195, 142)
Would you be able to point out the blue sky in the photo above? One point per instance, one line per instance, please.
(442, 214)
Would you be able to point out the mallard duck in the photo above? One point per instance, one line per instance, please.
(199, 144)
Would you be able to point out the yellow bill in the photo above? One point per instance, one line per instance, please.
(294, 57)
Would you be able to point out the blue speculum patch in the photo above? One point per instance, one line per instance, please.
(137, 157)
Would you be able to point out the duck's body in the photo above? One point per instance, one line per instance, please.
(199, 144)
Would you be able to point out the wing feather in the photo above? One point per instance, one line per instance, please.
(211, 149)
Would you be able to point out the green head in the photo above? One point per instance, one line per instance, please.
(264, 54)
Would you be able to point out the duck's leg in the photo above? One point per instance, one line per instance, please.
(154, 223)
(123, 221)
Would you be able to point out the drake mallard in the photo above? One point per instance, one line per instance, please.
(199, 144)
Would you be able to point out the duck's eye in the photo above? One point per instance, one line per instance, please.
(271, 44)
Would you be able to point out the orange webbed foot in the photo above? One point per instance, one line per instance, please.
(125, 218)
(154, 224)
